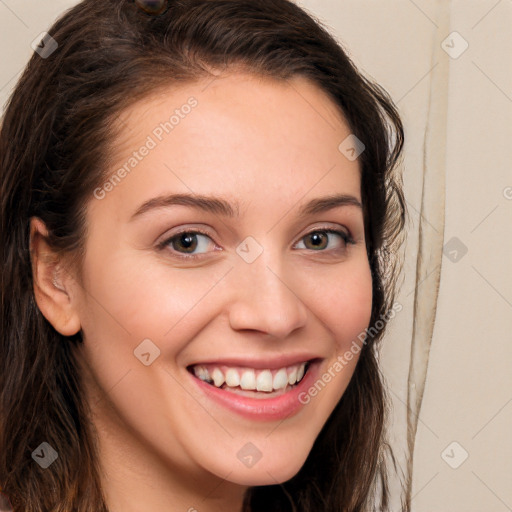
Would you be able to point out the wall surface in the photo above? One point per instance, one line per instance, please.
(446, 358)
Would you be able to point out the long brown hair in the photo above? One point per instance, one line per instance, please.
(54, 146)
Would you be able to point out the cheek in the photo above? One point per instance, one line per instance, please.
(344, 303)
(147, 298)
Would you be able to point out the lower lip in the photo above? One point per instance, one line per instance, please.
(264, 409)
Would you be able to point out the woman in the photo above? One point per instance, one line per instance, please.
(200, 219)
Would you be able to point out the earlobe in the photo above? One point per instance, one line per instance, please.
(52, 285)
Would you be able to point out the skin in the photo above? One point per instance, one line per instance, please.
(272, 146)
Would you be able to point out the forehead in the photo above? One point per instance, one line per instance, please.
(236, 134)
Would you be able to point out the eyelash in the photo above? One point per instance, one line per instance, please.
(346, 237)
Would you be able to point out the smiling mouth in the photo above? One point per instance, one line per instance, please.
(250, 381)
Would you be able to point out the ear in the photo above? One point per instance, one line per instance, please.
(52, 284)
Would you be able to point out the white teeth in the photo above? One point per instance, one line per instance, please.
(300, 373)
(218, 377)
(202, 373)
(264, 381)
(280, 379)
(292, 378)
(232, 378)
(248, 380)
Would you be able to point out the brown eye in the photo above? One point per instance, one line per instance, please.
(188, 241)
(188, 244)
(319, 239)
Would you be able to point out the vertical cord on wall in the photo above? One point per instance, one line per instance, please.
(431, 234)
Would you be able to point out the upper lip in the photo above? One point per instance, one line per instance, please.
(269, 362)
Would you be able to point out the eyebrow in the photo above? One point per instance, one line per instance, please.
(220, 206)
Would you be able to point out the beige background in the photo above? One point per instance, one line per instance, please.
(457, 109)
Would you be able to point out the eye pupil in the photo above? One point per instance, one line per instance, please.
(317, 238)
(188, 240)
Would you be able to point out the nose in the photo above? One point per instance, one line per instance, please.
(265, 299)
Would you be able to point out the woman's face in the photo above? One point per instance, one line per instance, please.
(257, 287)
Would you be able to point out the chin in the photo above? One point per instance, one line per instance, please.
(266, 473)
